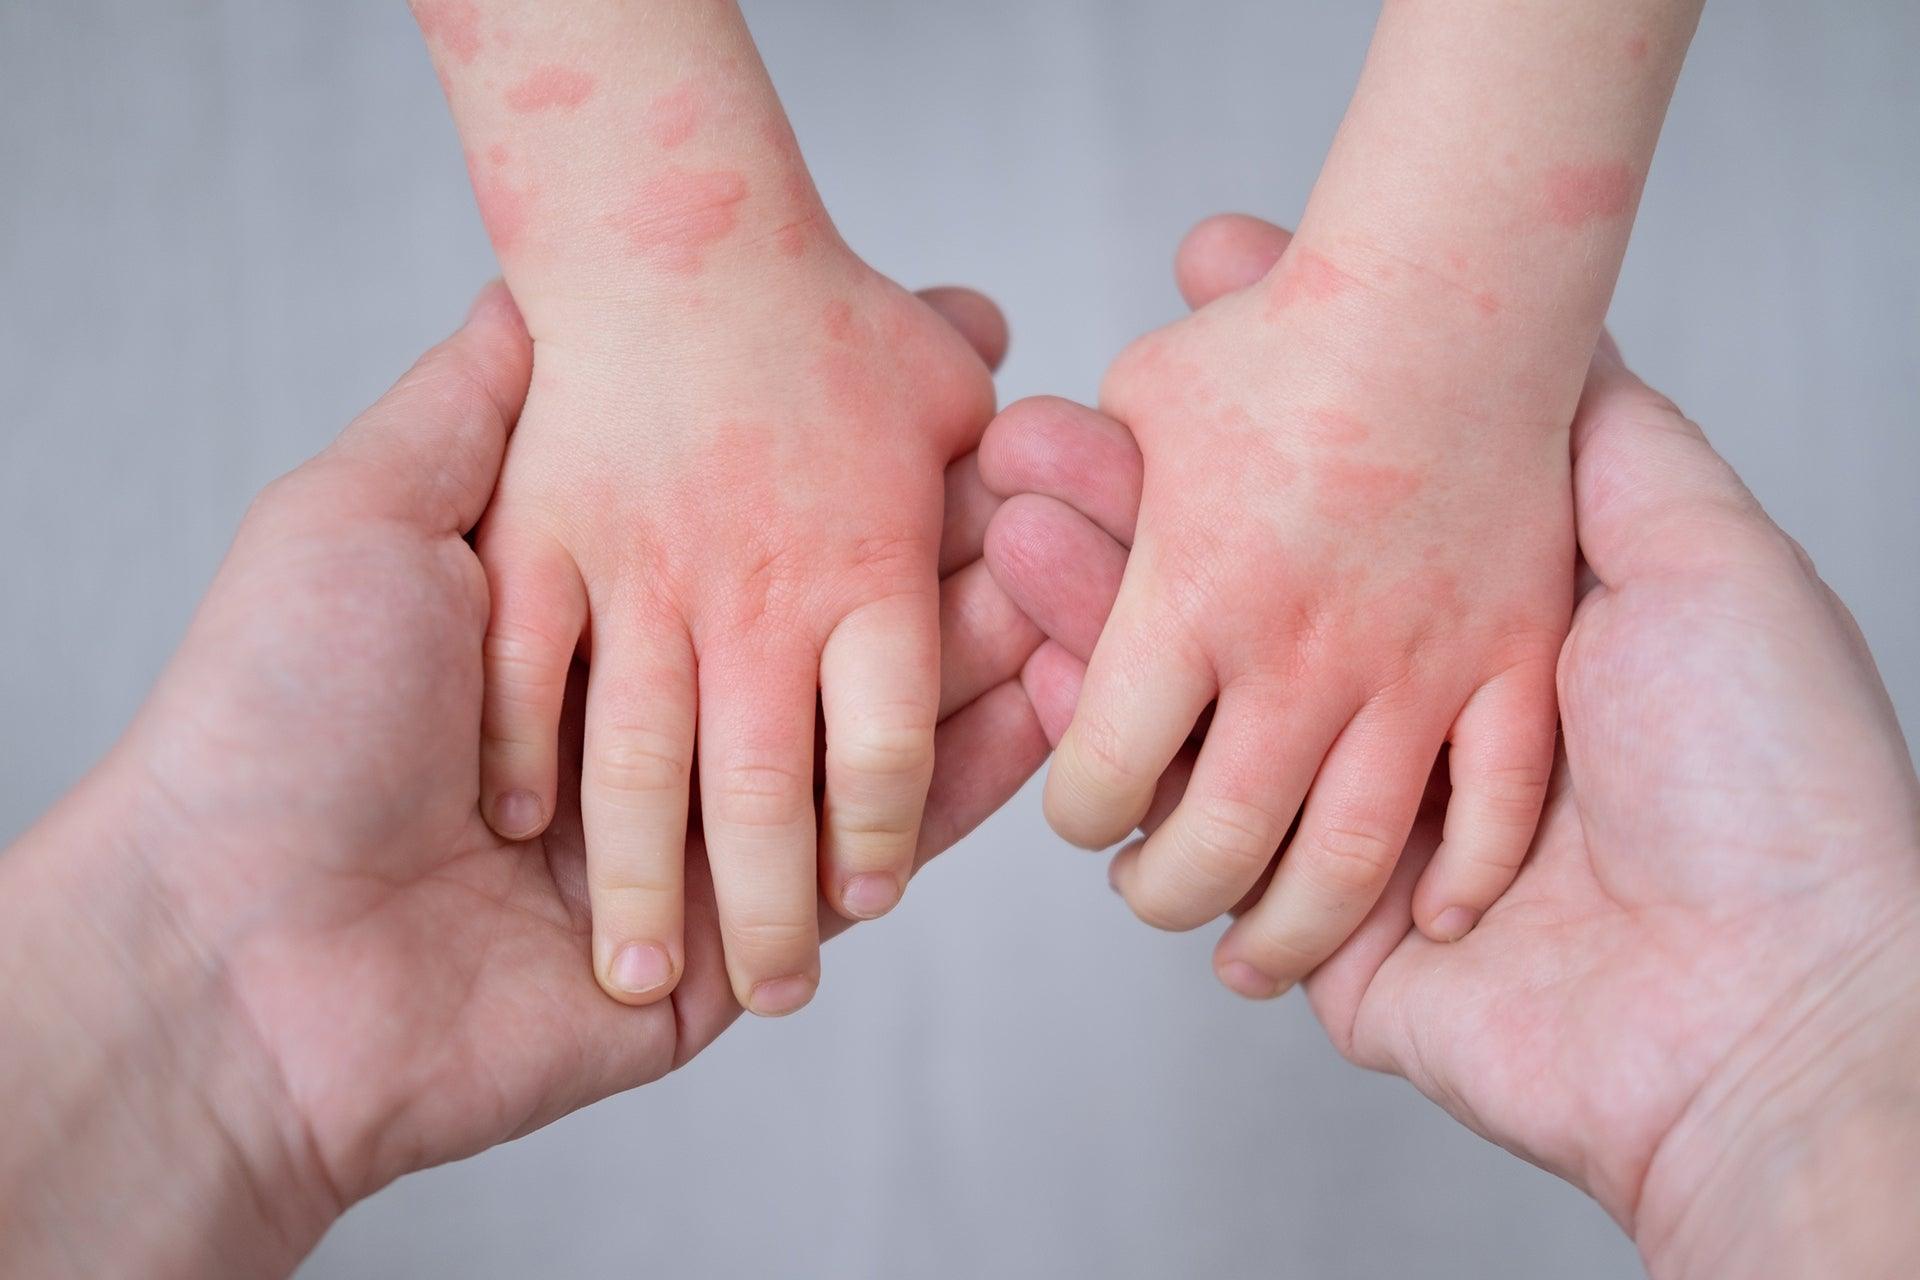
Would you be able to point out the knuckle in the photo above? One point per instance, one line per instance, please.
(635, 761)
(771, 936)
(628, 882)
(1511, 795)
(1283, 953)
(1231, 837)
(520, 656)
(1349, 862)
(895, 752)
(762, 797)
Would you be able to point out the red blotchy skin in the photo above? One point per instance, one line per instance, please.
(504, 209)
(552, 88)
(1578, 194)
(453, 24)
(1488, 303)
(1638, 47)
(497, 154)
(791, 239)
(1307, 277)
(837, 321)
(1339, 428)
(674, 117)
(1366, 491)
(676, 216)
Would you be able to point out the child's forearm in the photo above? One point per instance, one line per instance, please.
(619, 151)
(1486, 177)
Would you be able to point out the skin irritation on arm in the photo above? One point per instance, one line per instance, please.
(1486, 177)
(622, 152)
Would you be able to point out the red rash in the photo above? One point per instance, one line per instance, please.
(497, 154)
(674, 117)
(1334, 427)
(551, 89)
(1638, 47)
(453, 24)
(1579, 194)
(1307, 276)
(676, 216)
(1366, 491)
(504, 208)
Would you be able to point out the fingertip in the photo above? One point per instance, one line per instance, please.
(640, 973)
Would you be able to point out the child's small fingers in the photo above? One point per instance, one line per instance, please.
(880, 695)
(539, 608)
(1501, 762)
(1060, 568)
(1064, 450)
(1236, 809)
(756, 808)
(1352, 831)
(635, 772)
(1145, 688)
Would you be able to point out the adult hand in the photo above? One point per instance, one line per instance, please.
(269, 956)
(1700, 1001)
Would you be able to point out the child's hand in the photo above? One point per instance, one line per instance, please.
(733, 509)
(1319, 553)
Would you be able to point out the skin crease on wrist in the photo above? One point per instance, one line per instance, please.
(269, 956)
(1710, 949)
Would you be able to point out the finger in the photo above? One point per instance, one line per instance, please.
(1058, 567)
(634, 783)
(1145, 688)
(969, 507)
(1335, 868)
(982, 755)
(1501, 760)
(756, 805)
(977, 318)
(1067, 451)
(429, 451)
(880, 697)
(984, 637)
(1226, 829)
(1650, 494)
(539, 608)
(1224, 254)
(1052, 680)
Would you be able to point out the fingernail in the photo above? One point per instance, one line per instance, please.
(1455, 923)
(778, 997)
(640, 967)
(517, 814)
(1244, 980)
(870, 895)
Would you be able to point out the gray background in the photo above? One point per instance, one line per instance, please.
(225, 227)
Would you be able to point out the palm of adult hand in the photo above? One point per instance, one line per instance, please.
(419, 988)
(1673, 919)
(1674, 915)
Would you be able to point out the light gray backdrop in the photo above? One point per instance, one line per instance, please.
(225, 226)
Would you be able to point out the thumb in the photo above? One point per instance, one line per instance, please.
(428, 452)
(1650, 494)
(1224, 254)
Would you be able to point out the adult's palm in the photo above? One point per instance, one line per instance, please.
(418, 988)
(1733, 834)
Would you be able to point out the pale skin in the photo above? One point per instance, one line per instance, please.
(268, 956)
(726, 489)
(1698, 1002)
(1700, 999)
(1386, 566)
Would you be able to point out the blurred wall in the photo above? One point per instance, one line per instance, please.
(224, 227)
